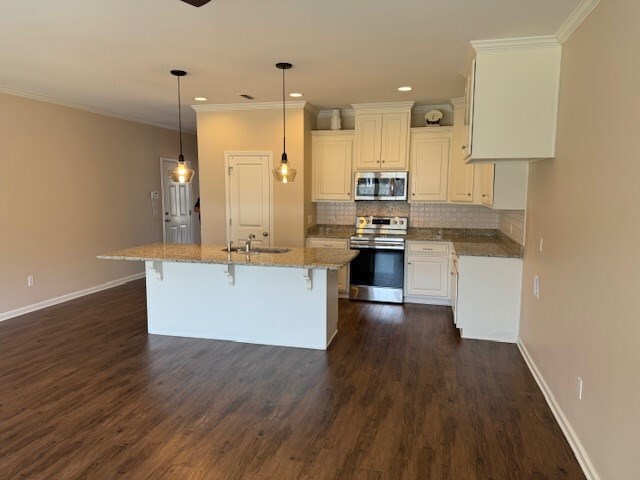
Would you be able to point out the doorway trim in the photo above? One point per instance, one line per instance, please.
(162, 182)
(227, 196)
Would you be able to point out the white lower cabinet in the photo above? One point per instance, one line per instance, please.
(427, 273)
(489, 291)
(334, 243)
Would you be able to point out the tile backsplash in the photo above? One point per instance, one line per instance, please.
(446, 215)
(421, 215)
(512, 224)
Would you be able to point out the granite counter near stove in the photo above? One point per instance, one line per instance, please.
(467, 242)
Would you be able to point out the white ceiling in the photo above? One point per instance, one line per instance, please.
(115, 55)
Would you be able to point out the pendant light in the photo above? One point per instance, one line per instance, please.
(284, 173)
(182, 173)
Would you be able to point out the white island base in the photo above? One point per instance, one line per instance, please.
(285, 306)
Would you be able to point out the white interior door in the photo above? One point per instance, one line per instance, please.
(249, 197)
(176, 206)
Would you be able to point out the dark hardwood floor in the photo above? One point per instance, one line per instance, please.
(86, 393)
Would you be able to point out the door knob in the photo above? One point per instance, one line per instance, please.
(265, 234)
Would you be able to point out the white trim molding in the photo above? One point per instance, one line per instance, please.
(515, 43)
(230, 107)
(69, 296)
(579, 15)
(457, 102)
(383, 105)
(16, 92)
(578, 449)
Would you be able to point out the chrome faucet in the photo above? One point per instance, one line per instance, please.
(247, 245)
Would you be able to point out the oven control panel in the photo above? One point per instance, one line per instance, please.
(397, 225)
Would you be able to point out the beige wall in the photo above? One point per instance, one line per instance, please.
(252, 130)
(585, 203)
(54, 224)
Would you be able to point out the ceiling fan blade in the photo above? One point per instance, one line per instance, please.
(197, 3)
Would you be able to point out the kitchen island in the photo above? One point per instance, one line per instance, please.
(289, 298)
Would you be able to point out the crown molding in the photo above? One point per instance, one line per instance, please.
(383, 105)
(87, 108)
(515, 43)
(579, 15)
(230, 107)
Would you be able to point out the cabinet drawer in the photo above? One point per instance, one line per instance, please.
(428, 248)
(328, 243)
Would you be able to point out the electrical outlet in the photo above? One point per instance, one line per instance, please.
(30, 281)
(155, 194)
(536, 286)
(579, 388)
(541, 241)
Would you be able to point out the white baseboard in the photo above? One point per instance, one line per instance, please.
(427, 300)
(502, 338)
(569, 433)
(69, 296)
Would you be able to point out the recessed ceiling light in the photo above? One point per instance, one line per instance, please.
(295, 95)
(405, 89)
(200, 99)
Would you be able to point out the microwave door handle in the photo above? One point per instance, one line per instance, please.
(392, 187)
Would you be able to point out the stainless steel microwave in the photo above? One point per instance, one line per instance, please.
(381, 185)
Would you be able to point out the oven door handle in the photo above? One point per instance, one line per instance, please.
(379, 246)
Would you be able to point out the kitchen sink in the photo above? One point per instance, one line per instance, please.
(257, 250)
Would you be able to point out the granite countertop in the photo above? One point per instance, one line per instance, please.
(322, 258)
(477, 242)
(471, 242)
(331, 231)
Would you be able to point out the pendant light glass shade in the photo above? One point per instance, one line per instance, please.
(283, 173)
(181, 173)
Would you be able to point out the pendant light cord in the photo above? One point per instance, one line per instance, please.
(284, 120)
(180, 121)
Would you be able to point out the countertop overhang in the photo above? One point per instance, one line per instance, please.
(321, 258)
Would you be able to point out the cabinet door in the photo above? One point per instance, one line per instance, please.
(368, 141)
(332, 169)
(486, 182)
(461, 175)
(428, 275)
(470, 95)
(429, 169)
(334, 243)
(395, 136)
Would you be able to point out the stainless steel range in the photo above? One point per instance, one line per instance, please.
(377, 274)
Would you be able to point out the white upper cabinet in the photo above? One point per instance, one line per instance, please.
(332, 165)
(512, 99)
(503, 186)
(382, 135)
(461, 174)
(429, 164)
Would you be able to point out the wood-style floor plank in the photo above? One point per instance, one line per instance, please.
(86, 393)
